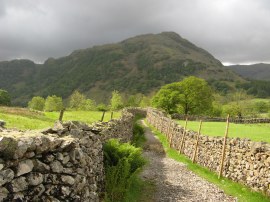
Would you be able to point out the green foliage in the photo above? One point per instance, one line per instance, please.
(220, 86)
(116, 101)
(102, 107)
(257, 88)
(262, 106)
(134, 100)
(122, 161)
(37, 103)
(4, 98)
(138, 137)
(78, 101)
(190, 96)
(53, 103)
(145, 102)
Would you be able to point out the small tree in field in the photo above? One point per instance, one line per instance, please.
(53, 103)
(37, 103)
(76, 100)
(4, 98)
(116, 101)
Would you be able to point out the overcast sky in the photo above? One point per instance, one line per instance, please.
(234, 31)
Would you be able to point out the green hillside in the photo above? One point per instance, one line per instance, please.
(259, 71)
(137, 65)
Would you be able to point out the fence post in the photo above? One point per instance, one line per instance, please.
(111, 115)
(61, 114)
(224, 148)
(103, 114)
(197, 142)
(183, 137)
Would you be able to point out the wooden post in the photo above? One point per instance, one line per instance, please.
(183, 137)
(61, 114)
(197, 142)
(224, 148)
(111, 115)
(103, 114)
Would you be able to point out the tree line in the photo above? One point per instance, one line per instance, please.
(192, 95)
(78, 101)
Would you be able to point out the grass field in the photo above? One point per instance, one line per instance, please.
(23, 119)
(255, 132)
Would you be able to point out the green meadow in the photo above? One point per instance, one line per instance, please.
(24, 119)
(255, 132)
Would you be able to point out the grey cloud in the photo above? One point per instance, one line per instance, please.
(233, 31)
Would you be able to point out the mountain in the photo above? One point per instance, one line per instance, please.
(259, 71)
(136, 65)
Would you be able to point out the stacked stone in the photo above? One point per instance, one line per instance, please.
(246, 162)
(45, 167)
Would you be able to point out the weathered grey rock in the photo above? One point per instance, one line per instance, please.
(40, 166)
(35, 179)
(20, 150)
(24, 167)
(66, 159)
(65, 191)
(6, 176)
(18, 197)
(66, 179)
(19, 184)
(1, 166)
(36, 192)
(56, 167)
(3, 193)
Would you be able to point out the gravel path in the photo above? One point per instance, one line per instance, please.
(173, 180)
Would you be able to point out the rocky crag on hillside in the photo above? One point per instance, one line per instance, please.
(63, 163)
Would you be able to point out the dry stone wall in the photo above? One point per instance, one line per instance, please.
(63, 163)
(246, 162)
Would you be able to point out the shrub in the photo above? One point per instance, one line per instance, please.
(122, 162)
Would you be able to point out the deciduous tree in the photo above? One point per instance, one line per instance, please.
(190, 96)
(4, 98)
(37, 103)
(53, 103)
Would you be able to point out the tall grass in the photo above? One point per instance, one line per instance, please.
(243, 193)
(122, 163)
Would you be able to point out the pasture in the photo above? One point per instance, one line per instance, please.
(22, 118)
(255, 132)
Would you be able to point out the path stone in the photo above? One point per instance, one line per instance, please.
(173, 180)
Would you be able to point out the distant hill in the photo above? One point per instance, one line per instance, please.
(259, 71)
(137, 65)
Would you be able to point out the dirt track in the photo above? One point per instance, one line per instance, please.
(173, 180)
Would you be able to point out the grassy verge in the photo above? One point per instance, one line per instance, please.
(23, 118)
(255, 132)
(243, 193)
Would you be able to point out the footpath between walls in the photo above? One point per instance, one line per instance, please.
(63, 163)
(245, 161)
